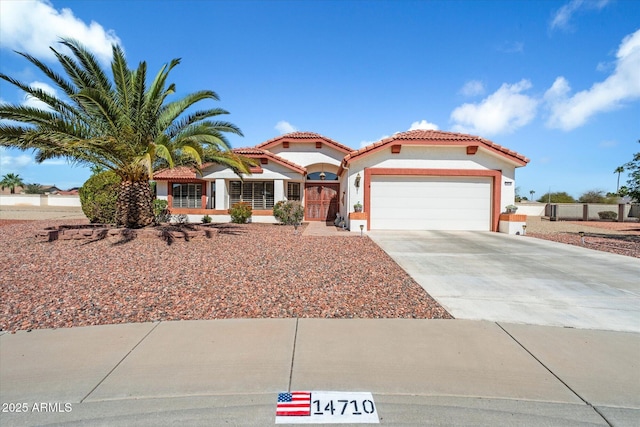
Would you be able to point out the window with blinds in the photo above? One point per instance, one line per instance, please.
(257, 193)
(187, 195)
(293, 191)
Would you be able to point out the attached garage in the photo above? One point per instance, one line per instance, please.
(430, 203)
(430, 180)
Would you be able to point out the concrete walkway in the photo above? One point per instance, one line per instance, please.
(321, 228)
(228, 372)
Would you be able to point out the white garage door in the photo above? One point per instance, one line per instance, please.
(430, 203)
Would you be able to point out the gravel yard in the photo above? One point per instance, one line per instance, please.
(239, 271)
(621, 238)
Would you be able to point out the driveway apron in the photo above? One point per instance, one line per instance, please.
(519, 279)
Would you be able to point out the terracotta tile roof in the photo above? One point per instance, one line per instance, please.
(308, 136)
(179, 173)
(258, 153)
(441, 137)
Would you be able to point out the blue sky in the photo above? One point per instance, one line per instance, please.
(557, 81)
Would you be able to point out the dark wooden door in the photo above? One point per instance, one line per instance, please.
(321, 202)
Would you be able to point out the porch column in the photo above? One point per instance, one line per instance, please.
(278, 190)
(221, 194)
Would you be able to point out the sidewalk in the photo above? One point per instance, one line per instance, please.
(228, 372)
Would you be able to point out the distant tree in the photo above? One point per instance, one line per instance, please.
(597, 196)
(518, 197)
(618, 170)
(33, 189)
(633, 167)
(557, 197)
(11, 181)
(532, 192)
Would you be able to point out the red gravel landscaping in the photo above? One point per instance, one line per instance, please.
(234, 271)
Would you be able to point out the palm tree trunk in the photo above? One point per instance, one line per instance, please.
(134, 206)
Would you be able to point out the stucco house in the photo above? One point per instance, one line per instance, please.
(420, 179)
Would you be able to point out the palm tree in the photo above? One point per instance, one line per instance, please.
(11, 181)
(618, 170)
(121, 124)
(532, 192)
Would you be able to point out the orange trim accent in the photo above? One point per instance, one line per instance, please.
(256, 169)
(264, 161)
(358, 215)
(472, 149)
(285, 144)
(195, 211)
(318, 144)
(395, 149)
(496, 185)
(513, 217)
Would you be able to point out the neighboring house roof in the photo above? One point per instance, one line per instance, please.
(306, 137)
(259, 153)
(436, 137)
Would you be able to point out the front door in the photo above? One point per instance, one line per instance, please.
(321, 202)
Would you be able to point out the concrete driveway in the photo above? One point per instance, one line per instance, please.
(518, 279)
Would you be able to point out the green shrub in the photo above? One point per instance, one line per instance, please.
(206, 219)
(288, 212)
(98, 197)
(161, 211)
(608, 215)
(240, 212)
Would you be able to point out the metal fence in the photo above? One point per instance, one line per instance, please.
(590, 211)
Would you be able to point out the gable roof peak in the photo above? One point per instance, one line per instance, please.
(303, 137)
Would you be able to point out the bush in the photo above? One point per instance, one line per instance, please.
(288, 212)
(98, 197)
(558, 197)
(206, 219)
(240, 212)
(161, 211)
(609, 215)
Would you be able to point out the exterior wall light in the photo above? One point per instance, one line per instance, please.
(361, 229)
(581, 233)
(357, 183)
(322, 175)
(524, 230)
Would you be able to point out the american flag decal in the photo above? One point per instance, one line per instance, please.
(294, 403)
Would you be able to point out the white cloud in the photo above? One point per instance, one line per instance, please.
(365, 143)
(570, 112)
(503, 111)
(423, 124)
(12, 164)
(561, 19)
(472, 88)
(285, 127)
(30, 101)
(32, 26)
(511, 47)
(608, 143)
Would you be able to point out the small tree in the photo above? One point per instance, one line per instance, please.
(596, 196)
(11, 181)
(98, 197)
(33, 189)
(633, 168)
(557, 197)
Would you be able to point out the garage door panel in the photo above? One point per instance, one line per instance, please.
(430, 203)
